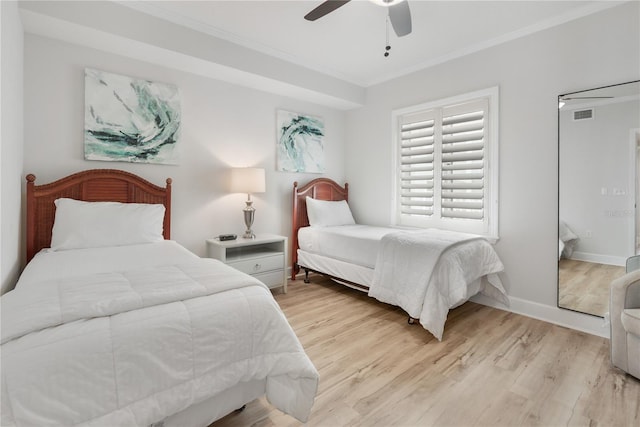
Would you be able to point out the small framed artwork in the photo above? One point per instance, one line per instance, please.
(130, 120)
(300, 143)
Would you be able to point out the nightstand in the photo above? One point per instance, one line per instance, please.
(263, 257)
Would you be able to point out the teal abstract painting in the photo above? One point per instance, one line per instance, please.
(300, 143)
(130, 120)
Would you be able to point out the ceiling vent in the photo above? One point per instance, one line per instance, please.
(583, 114)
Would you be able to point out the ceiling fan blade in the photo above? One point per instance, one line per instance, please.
(324, 8)
(565, 98)
(400, 17)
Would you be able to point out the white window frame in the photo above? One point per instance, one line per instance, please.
(488, 227)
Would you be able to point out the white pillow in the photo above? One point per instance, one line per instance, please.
(97, 224)
(325, 213)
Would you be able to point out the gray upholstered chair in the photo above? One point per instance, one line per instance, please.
(633, 263)
(624, 308)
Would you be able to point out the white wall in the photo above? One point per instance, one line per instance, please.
(595, 159)
(531, 72)
(11, 124)
(224, 125)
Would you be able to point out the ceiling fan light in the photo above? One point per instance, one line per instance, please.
(386, 3)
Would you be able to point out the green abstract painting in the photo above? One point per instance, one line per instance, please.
(130, 120)
(300, 143)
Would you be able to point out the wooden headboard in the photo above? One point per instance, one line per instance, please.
(321, 189)
(95, 185)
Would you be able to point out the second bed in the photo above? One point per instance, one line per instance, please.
(425, 272)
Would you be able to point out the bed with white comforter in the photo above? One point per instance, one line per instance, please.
(425, 272)
(132, 335)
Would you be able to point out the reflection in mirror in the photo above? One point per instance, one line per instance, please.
(599, 180)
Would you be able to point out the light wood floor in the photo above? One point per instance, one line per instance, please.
(493, 368)
(584, 286)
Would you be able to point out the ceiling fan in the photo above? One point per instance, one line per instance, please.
(399, 13)
(571, 98)
(562, 99)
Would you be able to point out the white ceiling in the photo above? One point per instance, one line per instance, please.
(350, 42)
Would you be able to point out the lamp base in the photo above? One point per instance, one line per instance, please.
(249, 212)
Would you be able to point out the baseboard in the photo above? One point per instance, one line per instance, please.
(599, 258)
(569, 319)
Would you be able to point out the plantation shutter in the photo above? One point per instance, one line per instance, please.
(464, 135)
(417, 164)
(445, 164)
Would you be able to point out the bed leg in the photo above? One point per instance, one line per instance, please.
(306, 276)
(411, 320)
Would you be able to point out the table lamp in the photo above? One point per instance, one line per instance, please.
(248, 180)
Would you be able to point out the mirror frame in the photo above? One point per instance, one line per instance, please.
(558, 213)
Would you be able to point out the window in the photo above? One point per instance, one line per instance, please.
(446, 164)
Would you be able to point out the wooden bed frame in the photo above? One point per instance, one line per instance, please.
(106, 185)
(321, 189)
(95, 185)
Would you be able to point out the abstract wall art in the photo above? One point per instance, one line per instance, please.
(300, 143)
(130, 120)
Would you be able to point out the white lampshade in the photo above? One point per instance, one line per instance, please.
(247, 180)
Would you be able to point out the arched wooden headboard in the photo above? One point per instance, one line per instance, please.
(321, 189)
(94, 185)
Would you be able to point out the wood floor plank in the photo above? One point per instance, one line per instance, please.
(493, 368)
(584, 286)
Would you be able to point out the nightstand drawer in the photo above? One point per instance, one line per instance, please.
(272, 279)
(259, 264)
(264, 257)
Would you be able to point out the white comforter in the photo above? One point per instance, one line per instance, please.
(134, 346)
(404, 273)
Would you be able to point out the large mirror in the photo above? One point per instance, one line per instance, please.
(599, 183)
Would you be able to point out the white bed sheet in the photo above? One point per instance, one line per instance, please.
(356, 244)
(52, 265)
(72, 357)
(204, 413)
(357, 274)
